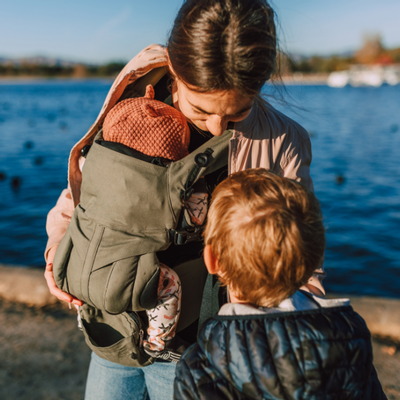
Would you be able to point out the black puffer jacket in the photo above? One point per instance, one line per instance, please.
(316, 354)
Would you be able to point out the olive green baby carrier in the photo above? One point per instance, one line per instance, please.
(129, 210)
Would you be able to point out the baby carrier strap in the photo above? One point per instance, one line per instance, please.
(212, 299)
(311, 297)
(129, 210)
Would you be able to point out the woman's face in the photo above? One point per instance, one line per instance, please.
(211, 111)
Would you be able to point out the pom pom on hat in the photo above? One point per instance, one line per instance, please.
(148, 126)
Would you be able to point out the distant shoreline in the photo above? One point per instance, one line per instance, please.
(294, 79)
(28, 79)
(305, 79)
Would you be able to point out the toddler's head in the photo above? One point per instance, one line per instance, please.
(266, 234)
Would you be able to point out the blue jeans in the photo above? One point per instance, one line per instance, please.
(107, 380)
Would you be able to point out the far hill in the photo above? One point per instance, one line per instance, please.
(40, 66)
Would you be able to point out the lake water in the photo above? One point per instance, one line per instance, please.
(355, 135)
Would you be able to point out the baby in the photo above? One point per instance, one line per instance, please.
(161, 133)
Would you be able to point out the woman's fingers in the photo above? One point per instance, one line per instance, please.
(55, 290)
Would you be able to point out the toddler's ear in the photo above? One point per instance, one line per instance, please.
(210, 260)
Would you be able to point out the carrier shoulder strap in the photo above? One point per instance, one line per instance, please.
(213, 299)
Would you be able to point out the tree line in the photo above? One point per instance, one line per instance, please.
(372, 52)
(53, 71)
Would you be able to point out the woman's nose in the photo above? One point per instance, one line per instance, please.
(216, 125)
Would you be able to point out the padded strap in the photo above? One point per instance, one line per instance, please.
(311, 297)
(210, 303)
(201, 160)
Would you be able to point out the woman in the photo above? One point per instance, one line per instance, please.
(219, 55)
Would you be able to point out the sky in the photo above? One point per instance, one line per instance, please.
(99, 31)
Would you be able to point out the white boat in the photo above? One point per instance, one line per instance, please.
(366, 77)
(373, 76)
(338, 79)
(392, 76)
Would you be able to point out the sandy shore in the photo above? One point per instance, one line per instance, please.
(43, 356)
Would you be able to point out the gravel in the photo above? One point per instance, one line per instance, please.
(43, 356)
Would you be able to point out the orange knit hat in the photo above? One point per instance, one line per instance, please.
(148, 126)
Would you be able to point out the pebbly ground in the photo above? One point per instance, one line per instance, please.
(42, 354)
(44, 357)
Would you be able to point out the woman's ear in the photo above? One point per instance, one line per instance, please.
(210, 260)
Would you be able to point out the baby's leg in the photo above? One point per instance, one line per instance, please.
(163, 319)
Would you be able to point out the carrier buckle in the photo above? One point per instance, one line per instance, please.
(85, 150)
(190, 234)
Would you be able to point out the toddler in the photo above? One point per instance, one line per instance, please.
(264, 238)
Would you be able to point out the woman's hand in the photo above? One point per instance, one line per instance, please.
(51, 283)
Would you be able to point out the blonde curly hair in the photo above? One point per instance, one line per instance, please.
(267, 233)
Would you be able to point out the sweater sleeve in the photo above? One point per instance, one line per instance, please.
(58, 219)
(297, 166)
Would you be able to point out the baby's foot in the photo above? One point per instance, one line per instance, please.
(174, 348)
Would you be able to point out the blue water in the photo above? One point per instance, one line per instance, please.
(355, 135)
